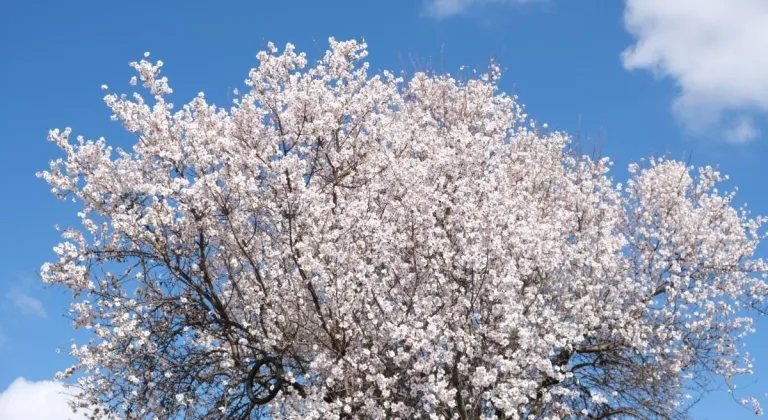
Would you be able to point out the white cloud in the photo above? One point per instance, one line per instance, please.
(742, 131)
(714, 50)
(446, 8)
(43, 400)
(26, 304)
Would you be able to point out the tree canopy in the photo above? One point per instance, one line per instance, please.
(338, 244)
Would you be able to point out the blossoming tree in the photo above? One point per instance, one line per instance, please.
(341, 245)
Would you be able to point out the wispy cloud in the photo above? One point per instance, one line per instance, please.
(440, 9)
(714, 51)
(742, 131)
(28, 305)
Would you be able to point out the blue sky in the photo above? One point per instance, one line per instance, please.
(696, 83)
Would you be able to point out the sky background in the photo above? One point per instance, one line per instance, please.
(631, 78)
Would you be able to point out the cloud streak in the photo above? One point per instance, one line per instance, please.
(742, 131)
(26, 304)
(440, 9)
(714, 51)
